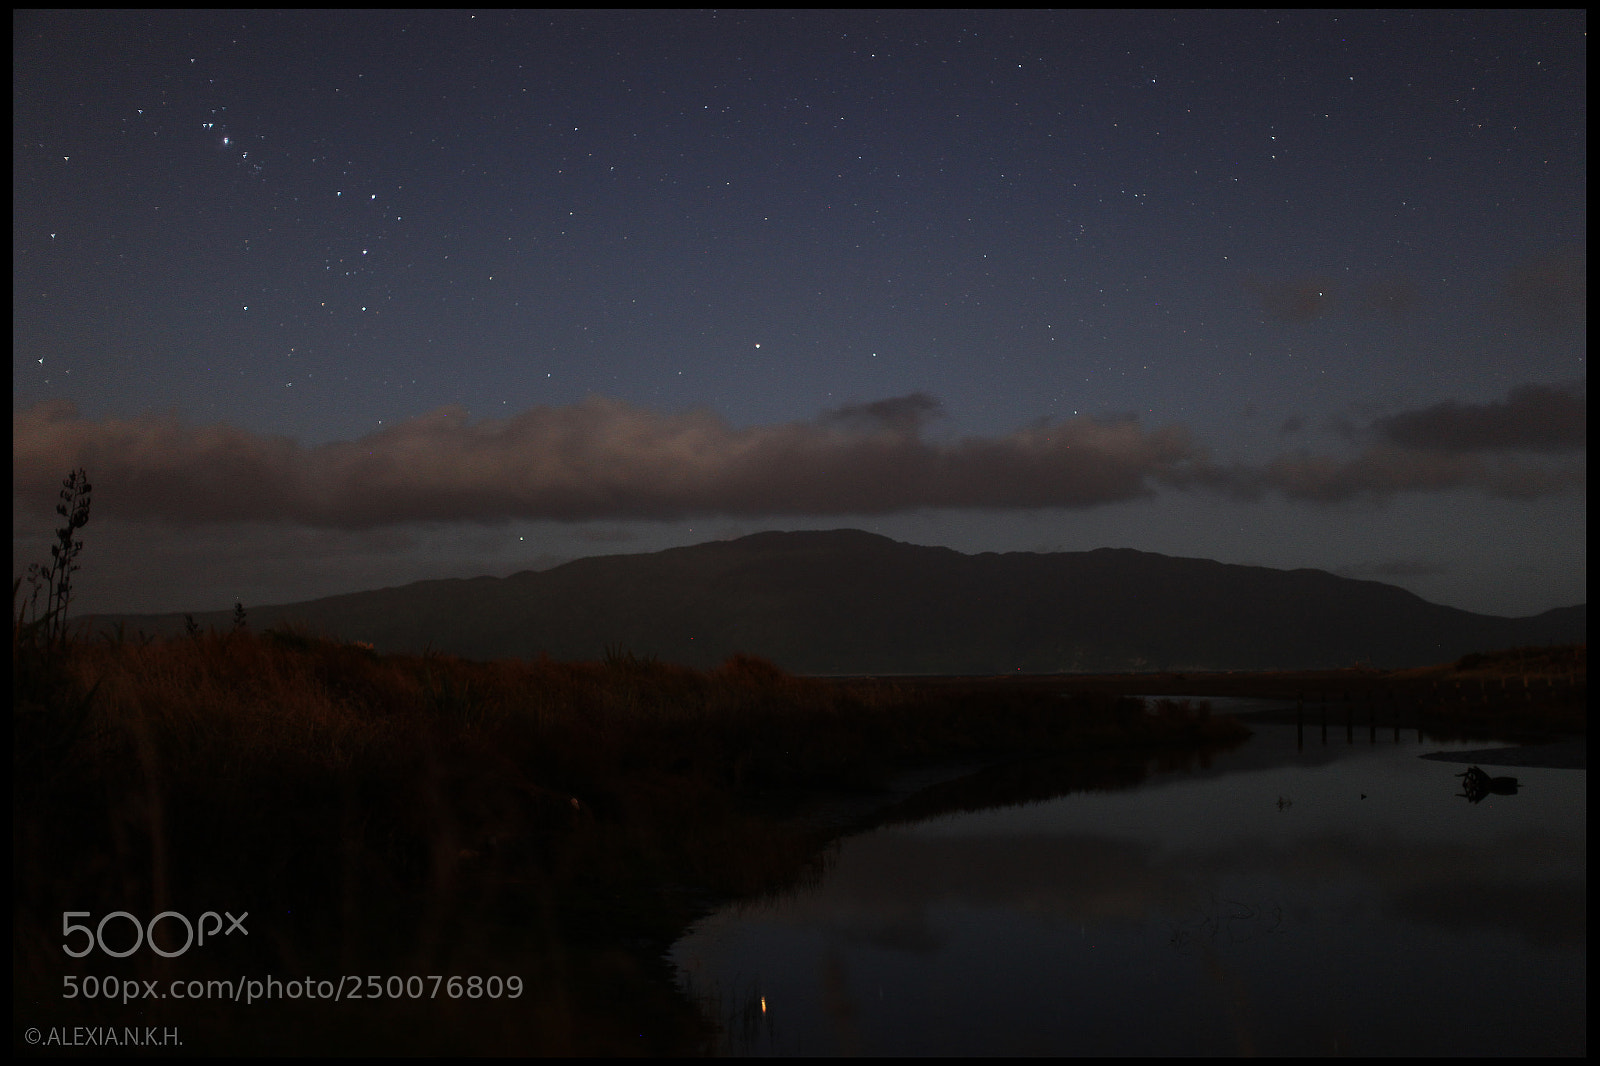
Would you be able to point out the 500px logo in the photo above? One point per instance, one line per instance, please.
(147, 932)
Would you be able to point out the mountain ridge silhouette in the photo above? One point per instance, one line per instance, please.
(852, 602)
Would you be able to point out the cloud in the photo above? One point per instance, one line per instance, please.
(1550, 290)
(1298, 300)
(1452, 446)
(600, 459)
(607, 460)
(1536, 418)
(1305, 299)
(898, 414)
(1384, 470)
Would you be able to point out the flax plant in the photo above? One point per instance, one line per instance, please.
(54, 580)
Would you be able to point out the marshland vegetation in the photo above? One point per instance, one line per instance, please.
(427, 814)
(1528, 690)
(407, 813)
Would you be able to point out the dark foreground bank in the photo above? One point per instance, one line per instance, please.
(426, 854)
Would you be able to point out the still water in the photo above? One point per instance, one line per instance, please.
(1309, 892)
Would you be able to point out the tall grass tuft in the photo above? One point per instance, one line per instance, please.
(420, 812)
(426, 813)
(54, 580)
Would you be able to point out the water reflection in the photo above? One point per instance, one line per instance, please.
(1287, 899)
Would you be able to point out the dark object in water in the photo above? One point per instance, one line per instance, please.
(1479, 784)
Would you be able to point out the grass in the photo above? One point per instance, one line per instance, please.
(405, 816)
(425, 814)
(1517, 692)
(1565, 662)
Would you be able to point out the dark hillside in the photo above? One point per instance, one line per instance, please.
(849, 602)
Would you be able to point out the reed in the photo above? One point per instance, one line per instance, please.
(416, 810)
(430, 814)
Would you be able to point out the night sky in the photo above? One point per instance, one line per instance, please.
(326, 302)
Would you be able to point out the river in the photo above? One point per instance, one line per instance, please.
(1317, 890)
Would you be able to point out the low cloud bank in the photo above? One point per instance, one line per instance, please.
(598, 459)
(1456, 446)
(604, 459)
(1535, 418)
(1384, 470)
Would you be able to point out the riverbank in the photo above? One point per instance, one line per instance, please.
(408, 816)
(1528, 690)
(1571, 753)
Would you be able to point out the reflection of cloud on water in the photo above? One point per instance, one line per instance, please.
(882, 892)
(912, 933)
(1550, 914)
(884, 888)
(1521, 885)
